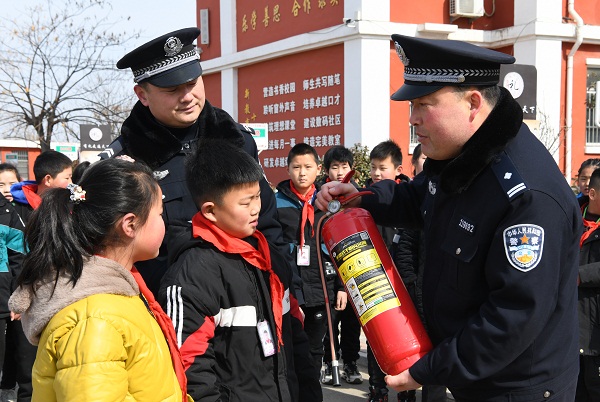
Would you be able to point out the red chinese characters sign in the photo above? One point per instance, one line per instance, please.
(301, 99)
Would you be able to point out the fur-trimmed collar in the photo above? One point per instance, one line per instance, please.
(99, 276)
(501, 126)
(145, 139)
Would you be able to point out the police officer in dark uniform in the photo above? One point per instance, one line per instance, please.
(171, 115)
(501, 230)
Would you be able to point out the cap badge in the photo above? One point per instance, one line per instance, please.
(172, 46)
(400, 52)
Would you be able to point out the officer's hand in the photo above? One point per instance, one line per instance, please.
(341, 300)
(14, 316)
(402, 381)
(333, 189)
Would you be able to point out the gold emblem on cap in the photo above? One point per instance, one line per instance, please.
(400, 52)
(172, 46)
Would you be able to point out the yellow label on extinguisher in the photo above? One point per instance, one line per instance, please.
(363, 275)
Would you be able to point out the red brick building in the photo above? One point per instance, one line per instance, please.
(322, 71)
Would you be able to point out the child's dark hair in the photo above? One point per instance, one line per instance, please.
(302, 149)
(78, 171)
(595, 180)
(50, 162)
(9, 167)
(338, 153)
(210, 174)
(385, 149)
(593, 162)
(62, 233)
(416, 155)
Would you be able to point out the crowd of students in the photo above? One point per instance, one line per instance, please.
(206, 302)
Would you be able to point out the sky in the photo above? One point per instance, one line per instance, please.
(151, 18)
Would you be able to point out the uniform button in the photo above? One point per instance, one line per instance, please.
(458, 250)
(581, 351)
(547, 394)
(186, 145)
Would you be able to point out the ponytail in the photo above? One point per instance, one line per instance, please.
(67, 228)
(54, 240)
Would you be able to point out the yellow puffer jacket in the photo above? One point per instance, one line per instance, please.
(102, 347)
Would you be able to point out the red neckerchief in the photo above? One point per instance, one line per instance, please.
(308, 211)
(30, 192)
(166, 325)
(590, 226)
(261, 259)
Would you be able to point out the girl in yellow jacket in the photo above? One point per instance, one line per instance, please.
(101, 336)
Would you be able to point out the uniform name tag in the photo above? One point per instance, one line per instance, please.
(266, 338)
(303, 256)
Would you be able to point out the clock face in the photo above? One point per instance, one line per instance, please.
(95, 134)
(514, 83)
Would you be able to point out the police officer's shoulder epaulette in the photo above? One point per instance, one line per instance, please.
(246, 128)
(114, 149)
(508, 176)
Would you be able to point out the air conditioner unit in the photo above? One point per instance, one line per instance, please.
(466, 8)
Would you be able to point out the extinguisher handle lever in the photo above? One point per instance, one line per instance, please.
(348, 176)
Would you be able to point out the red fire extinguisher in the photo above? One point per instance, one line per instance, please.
(375, 290)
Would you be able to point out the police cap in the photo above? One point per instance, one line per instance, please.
(167, 61)
(431, 64)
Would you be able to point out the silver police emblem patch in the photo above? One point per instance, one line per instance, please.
(172, 46)
(523, 245)
(432, 188)
(400, 52)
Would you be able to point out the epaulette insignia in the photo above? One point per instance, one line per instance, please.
(508, 176)
(246, 128)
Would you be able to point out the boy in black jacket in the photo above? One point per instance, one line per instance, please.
(588, 281)
(298, 220)
(338, 161)
(227, 289)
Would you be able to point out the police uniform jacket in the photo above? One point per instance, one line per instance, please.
(215, 301)
(502, 232)
(589, 295)
(144, 139)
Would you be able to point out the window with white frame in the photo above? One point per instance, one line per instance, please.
(592, 132)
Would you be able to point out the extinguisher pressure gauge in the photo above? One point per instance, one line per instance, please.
(334, 206)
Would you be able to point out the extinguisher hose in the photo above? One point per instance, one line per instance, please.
(335, 369)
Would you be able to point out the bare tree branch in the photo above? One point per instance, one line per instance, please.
(56, 71)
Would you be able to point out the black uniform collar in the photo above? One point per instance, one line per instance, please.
(145, 139)
(501, 126)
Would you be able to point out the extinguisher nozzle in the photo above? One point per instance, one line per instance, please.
(335, 373)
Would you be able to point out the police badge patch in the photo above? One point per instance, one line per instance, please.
(523, 245)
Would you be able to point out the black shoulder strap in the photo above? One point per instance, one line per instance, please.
(508, 176)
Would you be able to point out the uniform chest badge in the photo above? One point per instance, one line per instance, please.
(523, 245)
(160, 174)
(432, 188)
